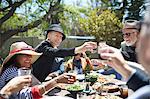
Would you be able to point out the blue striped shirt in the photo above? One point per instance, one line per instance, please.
(6, 76)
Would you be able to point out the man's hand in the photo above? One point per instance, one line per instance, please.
(116, 60)
(87, 46)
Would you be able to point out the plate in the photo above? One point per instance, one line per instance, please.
(107, 97)
(80, 77)
(56, 97)
(63, 86)
(108, 87)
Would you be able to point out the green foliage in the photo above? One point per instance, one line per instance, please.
(135, 9)
(104, 25)
(14, 22)
(69, 18)
(132, 8)
(75, 20)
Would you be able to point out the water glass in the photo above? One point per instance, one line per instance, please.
(23, 72)
(93, 48)
(124, 90)
(101, 45)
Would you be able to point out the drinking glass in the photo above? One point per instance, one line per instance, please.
(124, 90)
(24, 71)
(101, 45)
(93, 49)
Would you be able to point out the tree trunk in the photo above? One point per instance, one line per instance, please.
(5, 35)
(1, 42)
(3, 38)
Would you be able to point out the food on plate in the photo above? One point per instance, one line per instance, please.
(108, 79)
(102, 79)
(63, 85)
(107, 97)
(108, 87)
(75, 87)
(111, 88)
(91, 77)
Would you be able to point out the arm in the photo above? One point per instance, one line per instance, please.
(64, 78)
(142, 93)
(141, 79)
(132, 74)
(47, 49)
(58, 52)
(58, 68)
(15, 85)
(116, 60)
(58, 72)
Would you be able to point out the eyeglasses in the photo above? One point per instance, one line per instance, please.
(127, 34)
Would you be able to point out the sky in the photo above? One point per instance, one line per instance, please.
(68, 2)
(83, 2)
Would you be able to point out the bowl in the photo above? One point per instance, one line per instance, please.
(91, 78)
(75, 88)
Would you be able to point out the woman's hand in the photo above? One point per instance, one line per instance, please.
(16, 84)
(66, 78)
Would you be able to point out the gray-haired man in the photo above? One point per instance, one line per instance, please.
(131, 31)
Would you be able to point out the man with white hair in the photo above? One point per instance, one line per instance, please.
(136, 80)
(131, 31)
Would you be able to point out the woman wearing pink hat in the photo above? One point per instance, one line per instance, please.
(22, 55)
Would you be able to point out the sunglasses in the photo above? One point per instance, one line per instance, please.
(126, 34)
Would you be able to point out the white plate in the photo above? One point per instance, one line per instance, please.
(80, 76)
(56, 97)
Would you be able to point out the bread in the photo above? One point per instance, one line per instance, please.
(108, 97)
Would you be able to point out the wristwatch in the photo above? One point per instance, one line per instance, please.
(4, 96)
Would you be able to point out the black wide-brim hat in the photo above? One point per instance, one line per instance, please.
(57, 28)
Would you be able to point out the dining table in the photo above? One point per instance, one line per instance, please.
(92, 93)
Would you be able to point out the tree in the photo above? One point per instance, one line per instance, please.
(104, 25)
(101, 23)
(124, 9)
(13, 22)
(135, 9)
(70, 19)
